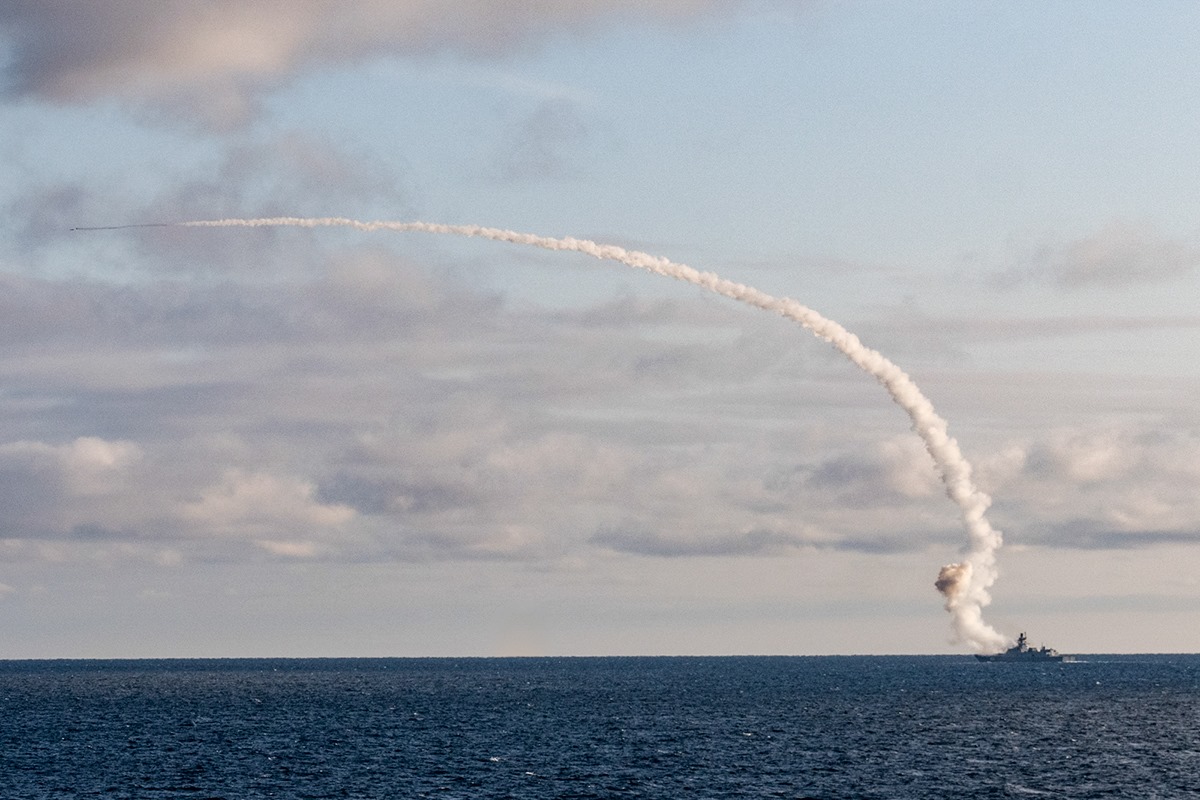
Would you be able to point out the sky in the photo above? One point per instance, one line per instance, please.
(285, 442)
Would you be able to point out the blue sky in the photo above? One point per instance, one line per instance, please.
(285, 442)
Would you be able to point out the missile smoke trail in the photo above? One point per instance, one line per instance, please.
(965, 585)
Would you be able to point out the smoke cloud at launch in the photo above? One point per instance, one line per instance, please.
(964, 585)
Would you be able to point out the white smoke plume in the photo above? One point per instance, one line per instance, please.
(965, 585)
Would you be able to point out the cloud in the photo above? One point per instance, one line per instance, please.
(1097, 534)
(82, 467)
(1089, 457)
(1120, 253)
(359, 293)
(181, 276)
(913, 333)
(891, 472)
(45, 487)
(289, 549)
(649, 543)
(218, 54)
(1110, 487)
(285, 172)
(256, 504)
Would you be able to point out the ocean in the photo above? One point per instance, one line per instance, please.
(688, 727)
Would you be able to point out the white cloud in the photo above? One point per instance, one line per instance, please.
(1103, 488)
(908, 470)
(84, 463)
(42, 473)
(288, 549)
(254, 504)
(90, 463)
(82, 486)
(217, 54)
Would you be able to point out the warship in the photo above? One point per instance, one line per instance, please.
(1021, 651)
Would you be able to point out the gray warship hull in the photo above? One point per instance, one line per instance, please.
(1022, 653)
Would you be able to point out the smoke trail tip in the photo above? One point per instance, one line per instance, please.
(123, 227)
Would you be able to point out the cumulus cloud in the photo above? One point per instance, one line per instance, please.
(1083, 457)
(218, 53)
(255, 504)
(1100, 488)
(83, 466)
(289, 549)
(46, 487)
(889, 472)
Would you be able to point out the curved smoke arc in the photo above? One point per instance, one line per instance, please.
(965, 585)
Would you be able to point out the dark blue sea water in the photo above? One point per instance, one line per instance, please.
(828, 727)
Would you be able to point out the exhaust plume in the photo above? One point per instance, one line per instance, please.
(964, 585)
